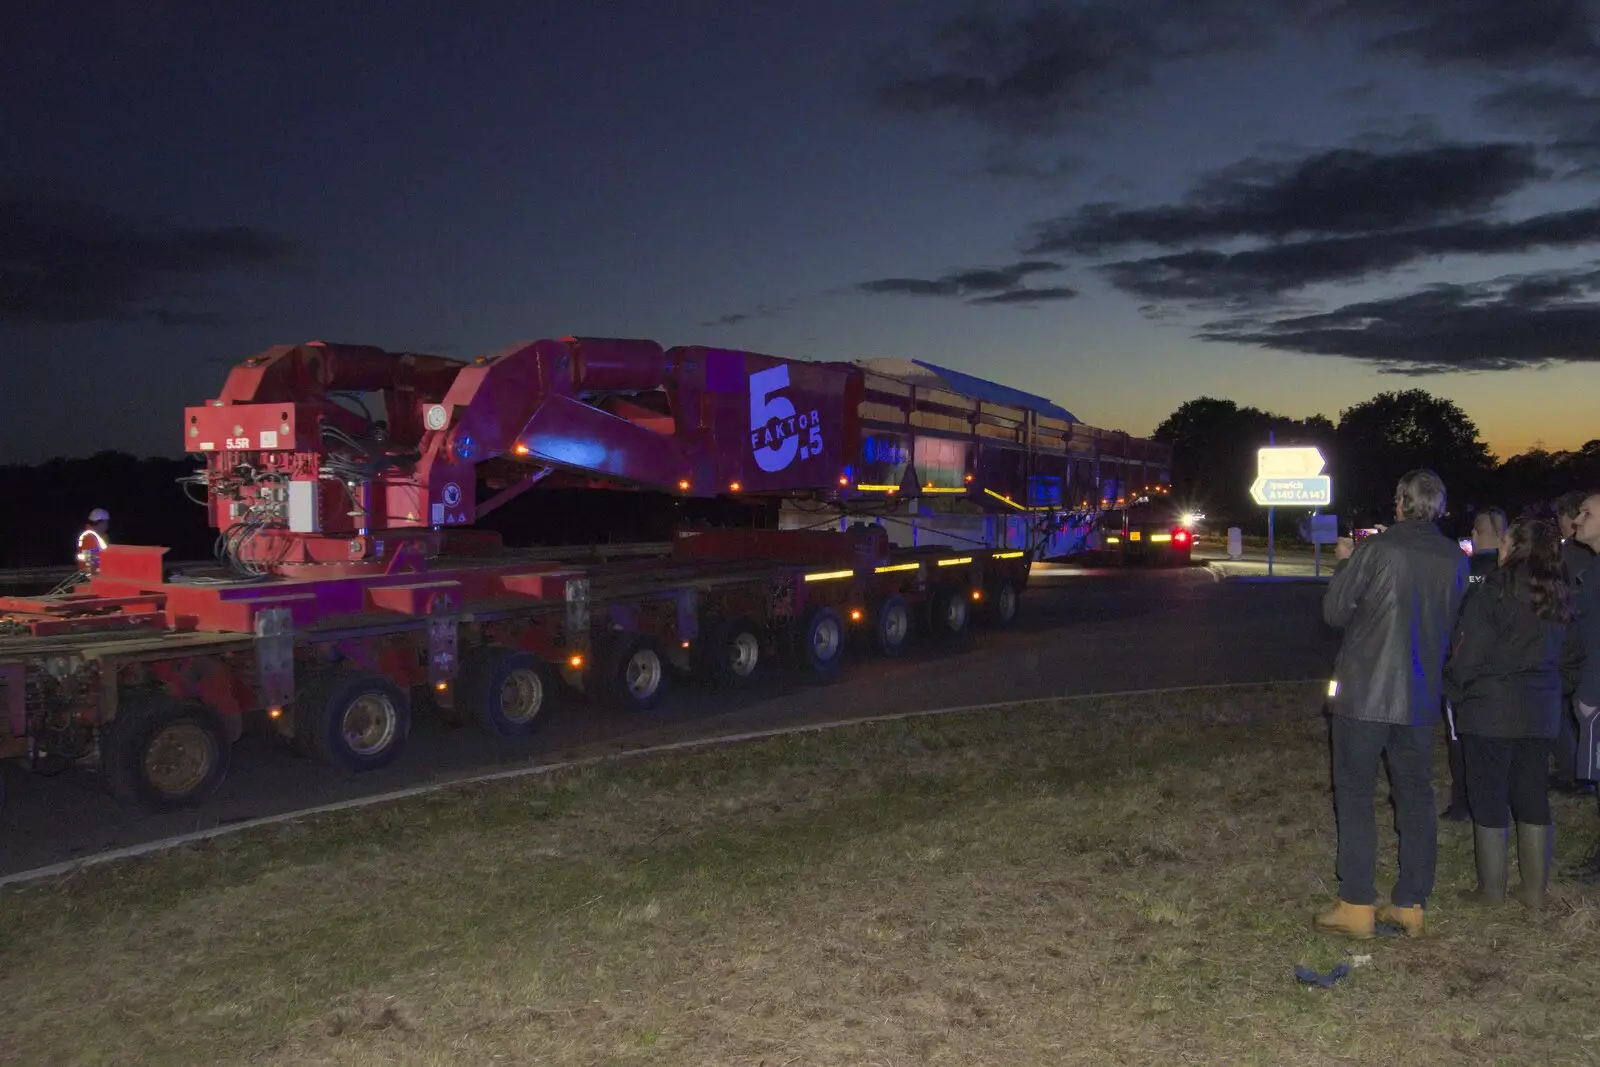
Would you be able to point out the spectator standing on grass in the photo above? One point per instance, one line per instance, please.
(1488, 530)
(1575, 556)
(1396, 598)
(1584, 678)
(1504, 683)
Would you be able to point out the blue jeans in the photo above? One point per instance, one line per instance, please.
(1357, 749)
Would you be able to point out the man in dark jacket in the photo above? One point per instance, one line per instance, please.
(1585, 637)
(1575, 555)
(1575, 558)
(1396, 598)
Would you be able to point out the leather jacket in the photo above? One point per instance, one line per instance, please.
(1397, 599)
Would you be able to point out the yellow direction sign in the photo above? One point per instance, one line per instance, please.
(1305, 462)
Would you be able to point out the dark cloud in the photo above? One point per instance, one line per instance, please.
(1494, 34)
(1257, 274)
(62, 261)
(168, 317)
(737, 318)
(986, 285)
(1569, 115)
(1521, 321)
(1343, 191)
(1014, 166)
(1025, 71)
(1028, 296)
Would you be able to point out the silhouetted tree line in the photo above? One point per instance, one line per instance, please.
(1373, 443)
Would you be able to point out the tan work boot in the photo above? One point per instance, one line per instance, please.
(1409, 920)
(1351, 920)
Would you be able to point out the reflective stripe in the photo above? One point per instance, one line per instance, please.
(98, 541)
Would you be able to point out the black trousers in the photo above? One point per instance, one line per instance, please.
(1358, 748)
(1507, 779)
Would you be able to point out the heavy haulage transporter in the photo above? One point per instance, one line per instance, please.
(885, 498)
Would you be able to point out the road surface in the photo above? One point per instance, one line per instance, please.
(1079, 631)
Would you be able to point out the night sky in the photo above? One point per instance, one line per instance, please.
(1120, 205)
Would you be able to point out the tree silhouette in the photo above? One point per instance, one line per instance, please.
(1381, 439)
(1214, 445)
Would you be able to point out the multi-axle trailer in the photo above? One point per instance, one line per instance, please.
(351, 587)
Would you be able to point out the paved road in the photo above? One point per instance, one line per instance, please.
(1080, 631)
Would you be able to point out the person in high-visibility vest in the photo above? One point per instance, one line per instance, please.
(92, 540)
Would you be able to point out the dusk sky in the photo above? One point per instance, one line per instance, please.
(1119, 205)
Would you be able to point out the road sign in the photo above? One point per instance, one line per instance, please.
(1312, 492)
(1305, 462)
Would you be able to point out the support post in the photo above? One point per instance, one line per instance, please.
(1272, 540)
(1316, 545)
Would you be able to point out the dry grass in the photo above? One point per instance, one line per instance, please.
(1094, 882)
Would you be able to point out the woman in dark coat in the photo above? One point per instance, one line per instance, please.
(1504, 681)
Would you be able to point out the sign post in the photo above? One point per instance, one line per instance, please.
(1290, 477)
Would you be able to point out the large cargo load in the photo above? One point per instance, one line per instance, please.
(351, 587)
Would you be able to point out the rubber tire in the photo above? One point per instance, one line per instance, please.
(484, 676)
(881, 642)
(994, 597)
(939, 611)
(815, 618)
(140, 718)
(320, 707)
(611, 680)
(716, 662)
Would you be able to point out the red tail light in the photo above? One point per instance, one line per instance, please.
(1180, 537)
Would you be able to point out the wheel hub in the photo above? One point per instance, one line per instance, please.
(744, 654)
(895, 624)
(369, 723)
(521, 696)
(643, 674)
(825, 640)
(179, 758)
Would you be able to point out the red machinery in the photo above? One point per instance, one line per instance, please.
(344, 478)
(298, 480)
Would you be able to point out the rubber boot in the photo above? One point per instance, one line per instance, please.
(1535, 848)
(1492, 852)
(1351, 920)
(1409, 920)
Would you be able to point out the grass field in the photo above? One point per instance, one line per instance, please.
(1096, 881)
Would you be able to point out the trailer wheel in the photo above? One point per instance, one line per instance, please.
(891, 625)
(1002, 602)
(633, 675)
(822, 641)
(506, 691)
(949, 612)
(731, 655)
(163, 754)
(353, 720)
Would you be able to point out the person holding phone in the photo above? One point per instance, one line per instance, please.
(1396, 599)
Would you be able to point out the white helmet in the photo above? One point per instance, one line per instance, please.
(99, 515)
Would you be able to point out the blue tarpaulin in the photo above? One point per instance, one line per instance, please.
(995, 393)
